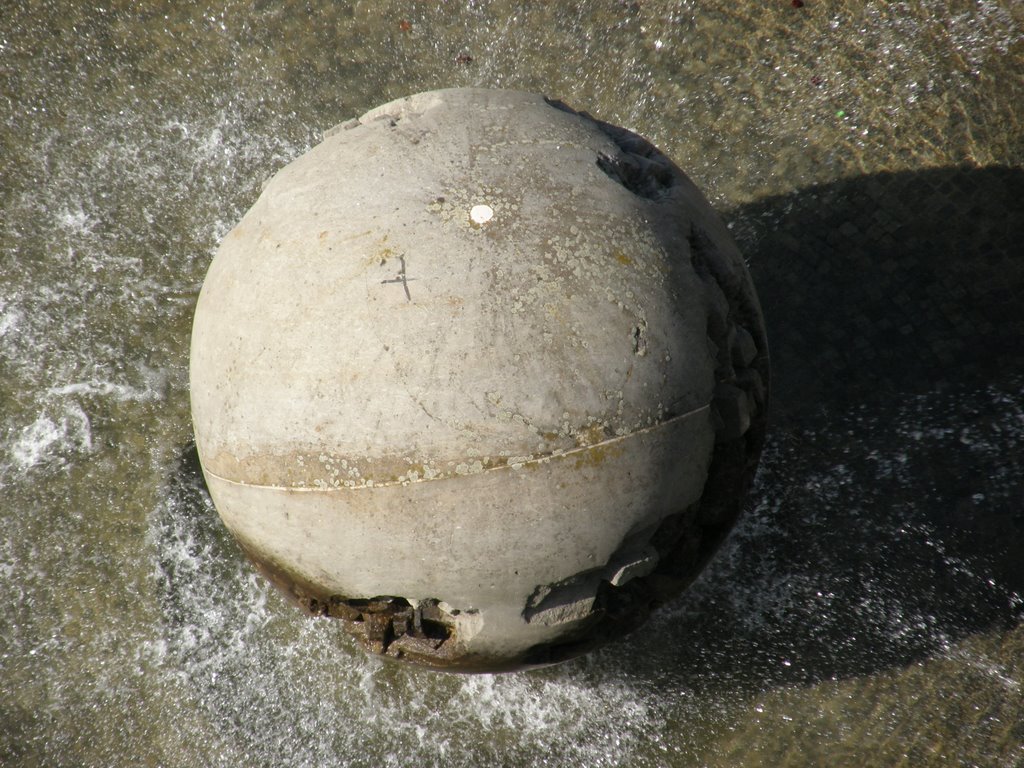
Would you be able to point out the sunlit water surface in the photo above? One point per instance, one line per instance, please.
(867, 609)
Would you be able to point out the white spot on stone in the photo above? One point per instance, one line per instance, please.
(481, 214)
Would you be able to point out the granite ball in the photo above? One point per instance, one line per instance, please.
(481, 377)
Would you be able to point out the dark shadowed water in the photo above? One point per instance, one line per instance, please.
(869, 157)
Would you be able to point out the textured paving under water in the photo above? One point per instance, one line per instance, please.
(866, 611)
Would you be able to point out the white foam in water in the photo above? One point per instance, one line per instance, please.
(75, 222)
(47, 438)
(120, 392)
(9, 318)
(34, 441)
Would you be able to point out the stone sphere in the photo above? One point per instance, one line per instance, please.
(481, 377)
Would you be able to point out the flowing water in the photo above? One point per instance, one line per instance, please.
(866, 611)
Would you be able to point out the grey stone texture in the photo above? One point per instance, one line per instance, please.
(482, 377)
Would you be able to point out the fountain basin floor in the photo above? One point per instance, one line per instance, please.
(866, 611)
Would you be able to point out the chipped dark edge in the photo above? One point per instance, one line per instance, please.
(637, 165)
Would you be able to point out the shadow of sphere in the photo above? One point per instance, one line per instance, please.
(888, 516)
(885, 286)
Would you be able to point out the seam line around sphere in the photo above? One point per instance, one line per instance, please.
(512, 467)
